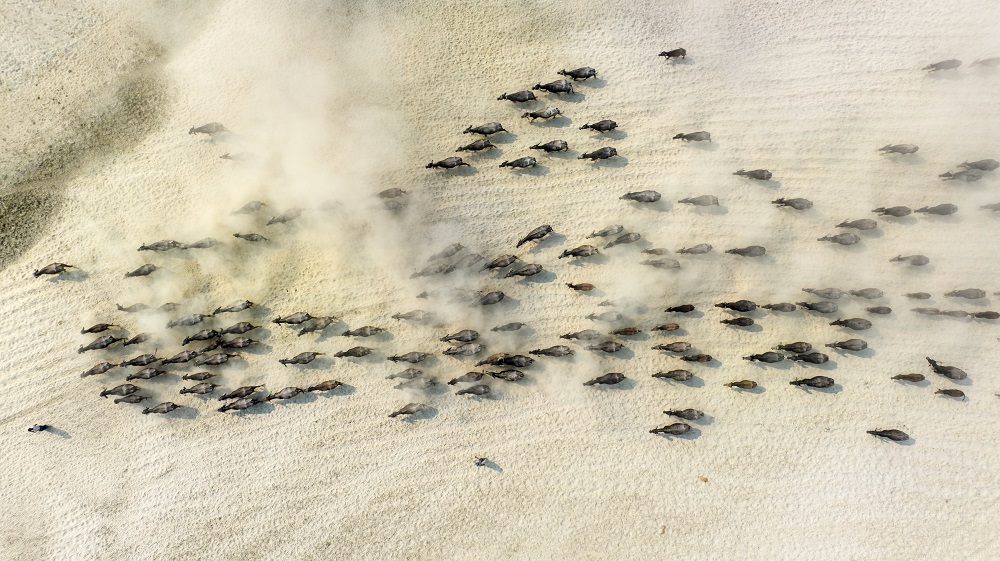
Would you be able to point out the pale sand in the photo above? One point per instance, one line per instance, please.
(341, 103)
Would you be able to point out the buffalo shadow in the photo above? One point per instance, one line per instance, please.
(618, 161)
(72, 275)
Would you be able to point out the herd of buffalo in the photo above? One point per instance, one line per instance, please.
(209, 342)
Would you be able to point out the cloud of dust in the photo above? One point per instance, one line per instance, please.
(306, 93)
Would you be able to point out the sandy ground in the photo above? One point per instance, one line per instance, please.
(337, 103)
